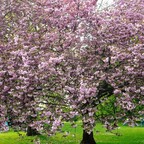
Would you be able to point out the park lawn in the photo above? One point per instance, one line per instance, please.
(126, 135)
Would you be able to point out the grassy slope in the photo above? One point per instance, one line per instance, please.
(128, 136)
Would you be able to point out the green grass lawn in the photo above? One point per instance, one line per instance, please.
(127, 135)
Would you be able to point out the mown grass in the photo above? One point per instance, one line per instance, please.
(125, 135)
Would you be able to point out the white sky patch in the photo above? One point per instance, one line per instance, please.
(104, 3)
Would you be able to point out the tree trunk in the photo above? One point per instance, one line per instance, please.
(88, 138)
(31, 131)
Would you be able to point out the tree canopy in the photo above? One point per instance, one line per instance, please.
(64, 58)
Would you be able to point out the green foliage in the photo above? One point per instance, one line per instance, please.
(107, 108)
